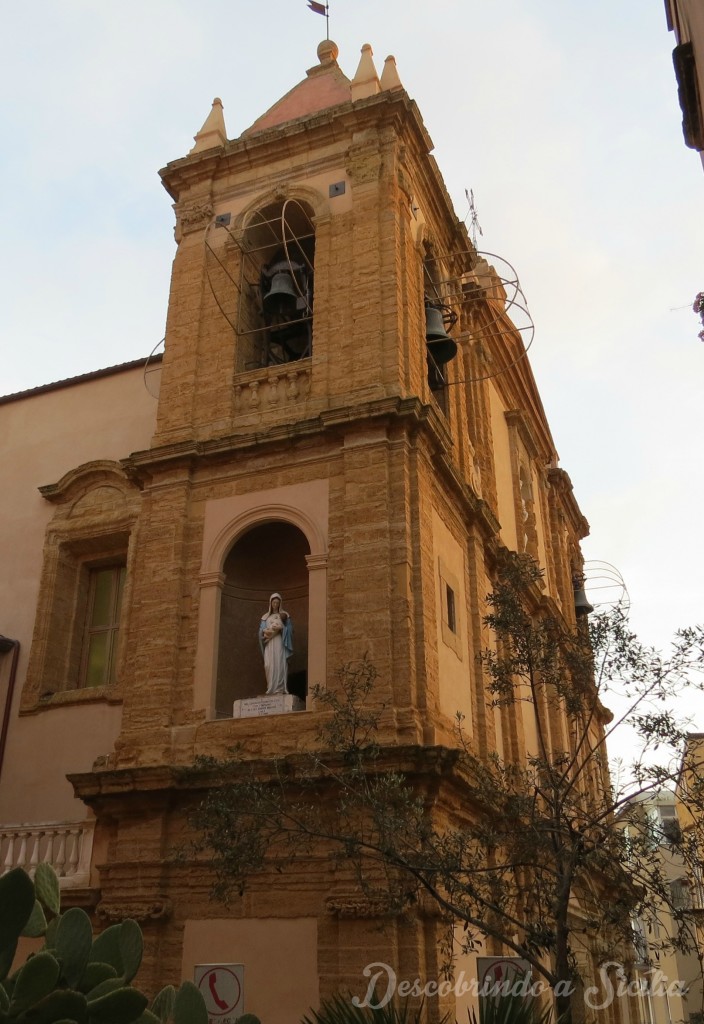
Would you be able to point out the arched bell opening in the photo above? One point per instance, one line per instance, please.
(441, 349)
(275, 322)
(268, 558)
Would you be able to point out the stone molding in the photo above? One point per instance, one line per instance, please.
(158, 908)
(350, 905)
(194, 217)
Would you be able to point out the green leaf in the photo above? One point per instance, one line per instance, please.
(74, 940)
(16, 904)
(131, 945)
(50, 934)
(7, 955)
(36, 925)
(106, 948)
(46, 887)
(163, 1005)
(35, 980)
(148, 1018)
(189, 1006)
(59, 1005)
(123, 1006)
(104, 988)
(95, 974)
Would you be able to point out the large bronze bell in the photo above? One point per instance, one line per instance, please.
(440, 345)
(281, 299)
(581, 601)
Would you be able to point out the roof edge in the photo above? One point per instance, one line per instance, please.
(68, 382)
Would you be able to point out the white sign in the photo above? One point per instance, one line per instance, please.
(275, 704)
(503, 975)
(222, 987)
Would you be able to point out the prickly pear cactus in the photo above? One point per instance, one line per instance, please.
(75, 978)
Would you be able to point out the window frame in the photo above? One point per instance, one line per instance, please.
(96, 511)
(449, 583)
(111, 629)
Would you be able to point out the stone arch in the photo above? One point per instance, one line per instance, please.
(319, 204)
(268, 557)
(277, 236)
(237, 576)
(228, 535)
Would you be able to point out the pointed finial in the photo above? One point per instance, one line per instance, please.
(389, 76)
(366, 81)
(213, 133)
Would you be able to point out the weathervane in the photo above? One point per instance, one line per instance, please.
(323, 9)
(474, 224)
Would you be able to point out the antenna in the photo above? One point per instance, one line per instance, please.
(474, 225)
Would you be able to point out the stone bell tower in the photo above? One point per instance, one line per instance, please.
(346, 417)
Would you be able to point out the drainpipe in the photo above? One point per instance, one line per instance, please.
(7, 645)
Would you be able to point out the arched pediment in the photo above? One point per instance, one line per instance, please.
(74, 485)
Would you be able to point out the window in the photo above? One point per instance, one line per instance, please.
(450, 628)
(450, 601)
(77, 650)
(664, 824)
(102, 624)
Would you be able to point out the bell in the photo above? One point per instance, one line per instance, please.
(581, 601)
(281, 298)
(440, 345)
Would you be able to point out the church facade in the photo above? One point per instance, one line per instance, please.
(345, 418)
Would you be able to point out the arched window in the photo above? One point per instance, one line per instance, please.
(270, 557)
(275, 317)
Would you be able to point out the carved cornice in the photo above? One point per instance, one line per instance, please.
(517, 419)
(141, 465)
(156, 908)
(193, 217)
(298, 139)
(358, 905)
(559, 480)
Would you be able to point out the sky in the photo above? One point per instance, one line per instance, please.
(560, 115)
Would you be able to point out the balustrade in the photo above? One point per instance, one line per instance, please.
(66, 846)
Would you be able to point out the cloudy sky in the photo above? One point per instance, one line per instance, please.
(560, 115)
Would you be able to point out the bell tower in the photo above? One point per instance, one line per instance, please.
(306, 381)
(347, 419)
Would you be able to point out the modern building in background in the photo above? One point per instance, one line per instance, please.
(658, 964)
(686, 19)
(344, 415)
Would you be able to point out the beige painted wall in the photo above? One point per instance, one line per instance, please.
(280, 957)
(502, 462)
(454, 670)
(42, 437)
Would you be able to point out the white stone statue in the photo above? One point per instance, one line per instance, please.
(276, 643)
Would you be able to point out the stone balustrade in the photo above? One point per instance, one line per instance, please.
(258, 391)
(67, 846)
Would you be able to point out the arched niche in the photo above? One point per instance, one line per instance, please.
(254, 544)
(267, 557)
